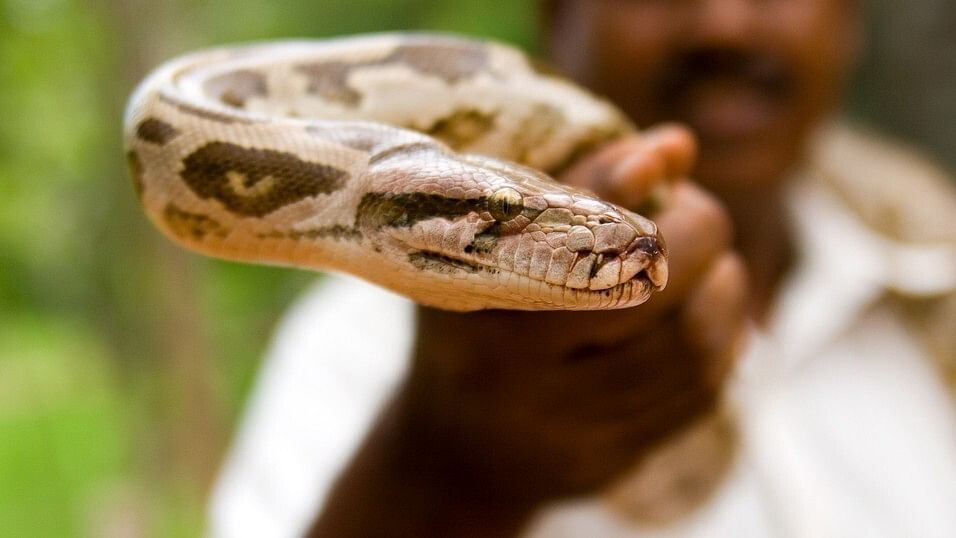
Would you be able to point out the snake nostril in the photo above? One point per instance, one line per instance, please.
(647, 245)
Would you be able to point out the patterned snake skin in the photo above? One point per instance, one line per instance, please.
(407, 160)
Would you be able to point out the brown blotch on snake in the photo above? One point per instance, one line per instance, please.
(135, 167)
(484, 242)
(462, 127)
(236, 87)
(450, 62)
(330, 80)
(380, 209)
(155, 131)
(436, 263)
(193, 225)
(255, 182)
(338, 232)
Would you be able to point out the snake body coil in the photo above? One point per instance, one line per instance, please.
(394, 158)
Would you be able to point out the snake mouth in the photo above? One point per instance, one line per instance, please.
(655, 274)
(611, 278)
(643, 259)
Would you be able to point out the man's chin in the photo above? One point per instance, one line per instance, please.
(752, 162)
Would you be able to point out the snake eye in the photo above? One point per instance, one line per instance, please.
(505, 204)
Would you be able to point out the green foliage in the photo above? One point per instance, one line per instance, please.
(120, 356)
(62, 427)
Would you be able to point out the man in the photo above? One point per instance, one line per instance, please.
(818, 259)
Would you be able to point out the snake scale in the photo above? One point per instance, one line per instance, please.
(412, 161)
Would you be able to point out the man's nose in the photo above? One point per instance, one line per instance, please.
(724, 23)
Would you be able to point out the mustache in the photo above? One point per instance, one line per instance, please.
(755, 69)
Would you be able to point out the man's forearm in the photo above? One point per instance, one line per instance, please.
(402, 483)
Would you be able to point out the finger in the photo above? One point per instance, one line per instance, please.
(678, 147)
(626, 170)
(635, 176)
(715, 316)
(697, 230)
(642, 165)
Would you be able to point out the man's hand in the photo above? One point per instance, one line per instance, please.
(503, 410)
(557, 403)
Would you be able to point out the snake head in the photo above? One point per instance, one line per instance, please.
(506, 236)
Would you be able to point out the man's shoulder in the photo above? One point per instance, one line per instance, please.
(894, 188)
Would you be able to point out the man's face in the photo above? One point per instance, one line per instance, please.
(750, 77)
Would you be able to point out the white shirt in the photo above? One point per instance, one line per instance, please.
(846, 430)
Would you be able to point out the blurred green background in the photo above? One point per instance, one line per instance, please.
(124, 362)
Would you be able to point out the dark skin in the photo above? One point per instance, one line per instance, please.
(504, 411)
(751, 79)
(517, 394)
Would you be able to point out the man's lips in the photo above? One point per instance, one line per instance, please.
(727, 109)
(726, 93)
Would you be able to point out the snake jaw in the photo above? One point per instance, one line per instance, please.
(601, 266)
